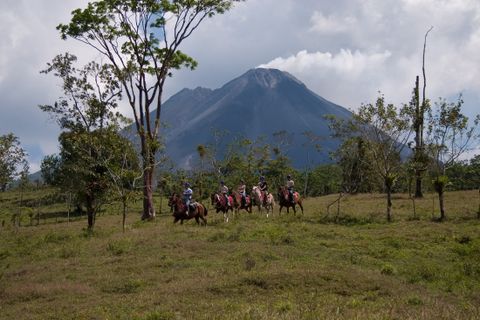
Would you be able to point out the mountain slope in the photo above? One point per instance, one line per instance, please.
(258, 103)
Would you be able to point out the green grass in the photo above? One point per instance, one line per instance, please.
(353, 265)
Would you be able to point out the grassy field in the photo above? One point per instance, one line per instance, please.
(352, 265)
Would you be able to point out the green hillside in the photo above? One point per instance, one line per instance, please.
(352, 265)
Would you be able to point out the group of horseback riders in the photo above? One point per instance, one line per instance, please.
(241, 189)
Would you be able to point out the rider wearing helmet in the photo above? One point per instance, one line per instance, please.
(242, 189)
(290, 185)
(263, 188)
(224, 190)
(187, 196)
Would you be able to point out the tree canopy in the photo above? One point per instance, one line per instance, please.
(140, 41)
(12, 159)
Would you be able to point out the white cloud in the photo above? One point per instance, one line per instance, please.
(345, 63)
(379, 47)
(331, 23)
(344, 77)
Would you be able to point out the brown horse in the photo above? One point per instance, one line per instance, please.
(220, 203)
(180, 210)
(267, 201)
(237, 202)
(284, 201)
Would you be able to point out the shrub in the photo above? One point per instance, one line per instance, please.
(119, 247)
(388, 269)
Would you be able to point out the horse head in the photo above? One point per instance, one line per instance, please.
(256, 191)
(282, 192)
(212, 198)
(172, 199)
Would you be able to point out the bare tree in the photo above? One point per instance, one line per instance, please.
(419, 158)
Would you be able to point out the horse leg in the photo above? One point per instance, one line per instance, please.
(175, 220)
(204, 219)
(197, 219)
(225, 216)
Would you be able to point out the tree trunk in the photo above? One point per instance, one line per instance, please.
(414, 208)
(418, 185)
(90, 212)
(478, 212)
(418, 124)
(148, 163)
(148, 208)
(442, 208)
(124, 218)
(160, 204)
(389, 203)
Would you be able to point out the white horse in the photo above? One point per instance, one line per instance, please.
(269, 202)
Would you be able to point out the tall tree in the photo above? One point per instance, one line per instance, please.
(89, 141)
(140, 40)
(354, 160)
(92, 167)
(384, 130)
(12, 159)
(449, 136)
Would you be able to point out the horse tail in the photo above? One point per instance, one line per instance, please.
(206, 210)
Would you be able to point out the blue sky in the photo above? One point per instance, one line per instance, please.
(344, 50)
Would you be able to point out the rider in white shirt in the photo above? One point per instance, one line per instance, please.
(224, 190)
(187, 196)
(290, 185)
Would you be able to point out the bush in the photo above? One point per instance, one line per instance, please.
(119, 247)
(388, 269)
(55, 237)
(415, 301)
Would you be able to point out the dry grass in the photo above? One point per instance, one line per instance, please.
(350, 266)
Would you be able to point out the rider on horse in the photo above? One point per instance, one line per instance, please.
(263, 188)
(187, 197)
(290, 185)
(242, 189)
(224, 190)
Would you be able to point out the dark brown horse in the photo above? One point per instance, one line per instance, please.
(237, 202)
(180, 210)
(220, 203)
(284, 200)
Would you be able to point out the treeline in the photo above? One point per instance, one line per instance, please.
(322, 179)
